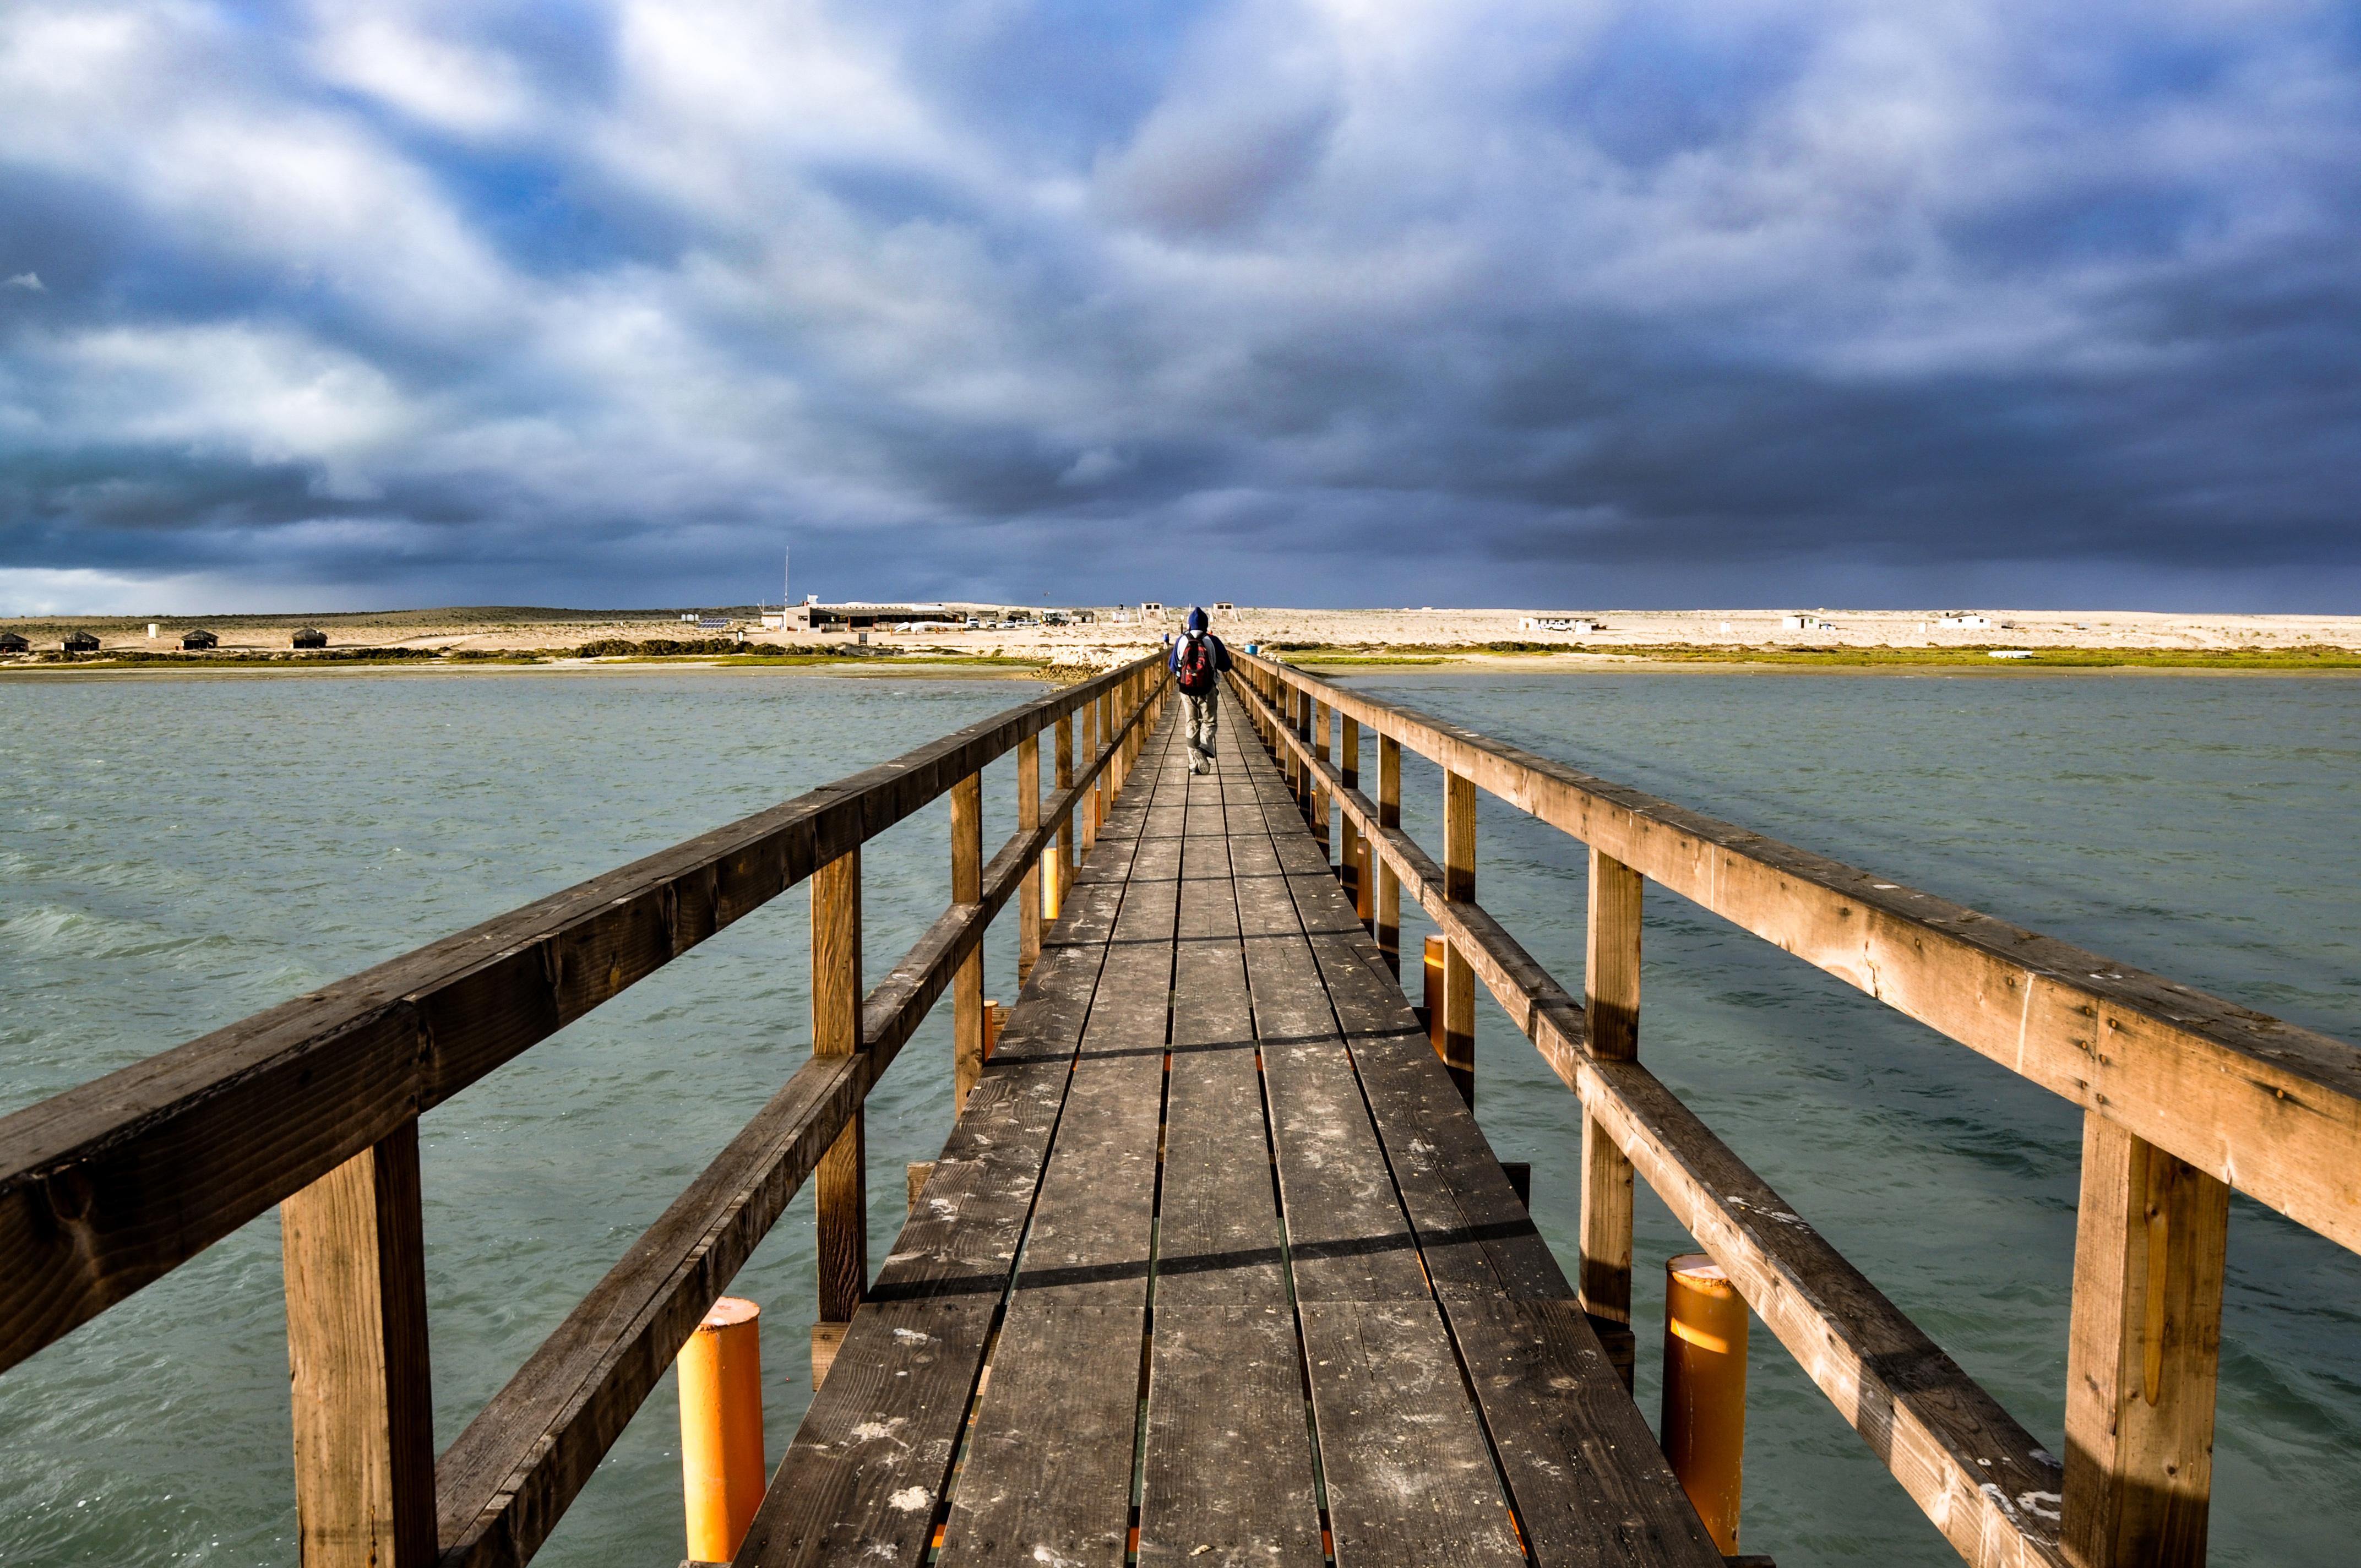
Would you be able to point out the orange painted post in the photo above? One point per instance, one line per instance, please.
(1705, 1390)
(995, 1018)
(722, 1465)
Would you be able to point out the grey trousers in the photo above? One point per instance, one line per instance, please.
(1204, 717)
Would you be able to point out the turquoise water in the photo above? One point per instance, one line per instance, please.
(176, 854)
(2204, 829)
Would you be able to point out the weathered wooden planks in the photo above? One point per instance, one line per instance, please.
(1234, 974)
(1047, 1477)
(1226, 1472)
(863, 1477)
(1591, 1488)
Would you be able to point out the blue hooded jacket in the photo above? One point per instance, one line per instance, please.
(1197, 627)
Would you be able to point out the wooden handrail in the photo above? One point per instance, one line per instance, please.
(505, 1482)
(109, 1186)
(2270, 1107)
(2141, 1360)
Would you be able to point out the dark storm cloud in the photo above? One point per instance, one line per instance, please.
(1692, 302)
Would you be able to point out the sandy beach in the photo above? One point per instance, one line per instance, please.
(1115, 633)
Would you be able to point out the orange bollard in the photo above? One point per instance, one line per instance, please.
(721, 1461)
(995, 1018)
(1435, 995)
(1704, 1389)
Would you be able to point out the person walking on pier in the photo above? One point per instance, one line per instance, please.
(1198, 660)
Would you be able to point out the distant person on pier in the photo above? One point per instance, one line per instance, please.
(1198, 660)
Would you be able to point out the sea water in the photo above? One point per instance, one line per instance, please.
(178, 852)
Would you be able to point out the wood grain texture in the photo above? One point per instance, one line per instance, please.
(1226, 1475)
(860, 1482)
(1590, 1487)
(1409, 1475)
(1050, 1465)
(355, 1255)
(111, 1185)
(1047, 1476)
(1472, 1234)
(2269, 1107)
(1347, 1236)
(1217, 1219)
(2144, 1354)
(967, 985)
(841, 1212)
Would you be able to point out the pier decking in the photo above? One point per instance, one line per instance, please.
(1217, 1263)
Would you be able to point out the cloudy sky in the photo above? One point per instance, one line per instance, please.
(602, 303)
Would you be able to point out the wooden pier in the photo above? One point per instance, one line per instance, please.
(1215, 1265)
(1250, 1216)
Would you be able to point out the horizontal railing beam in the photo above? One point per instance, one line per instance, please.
(1942, 1436)
(509, 1478)
(109, 1186)
(2271, 1108)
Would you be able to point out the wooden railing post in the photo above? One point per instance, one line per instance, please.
(1458, 974)
(353, 1246)
(966, 984)
(1350, 870)
(1320, 811)
(1388, 912)
(1029, 819)
(1304, 789)
(1612, 1010)
(1053, 891)
(842, 1200)
(2143, 1355)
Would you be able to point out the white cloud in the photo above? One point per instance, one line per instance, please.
(27, 280)
(419, 69)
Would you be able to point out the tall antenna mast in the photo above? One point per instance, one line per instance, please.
(786, 556)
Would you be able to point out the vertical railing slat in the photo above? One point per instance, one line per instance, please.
(1029, 819)
(1388, 912)
(1611, 1007)
(967, 984)
(2143, 1355)
(353, 1247)
(841, 1199)
(1459, 1034)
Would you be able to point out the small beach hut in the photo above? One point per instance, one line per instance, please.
(10, 643)
(79, 642)
(191, 641)
(309, 637)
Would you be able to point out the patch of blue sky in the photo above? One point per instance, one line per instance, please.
(1655, 85)
(1053, 83)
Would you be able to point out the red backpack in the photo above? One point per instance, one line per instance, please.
(1196, 667)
